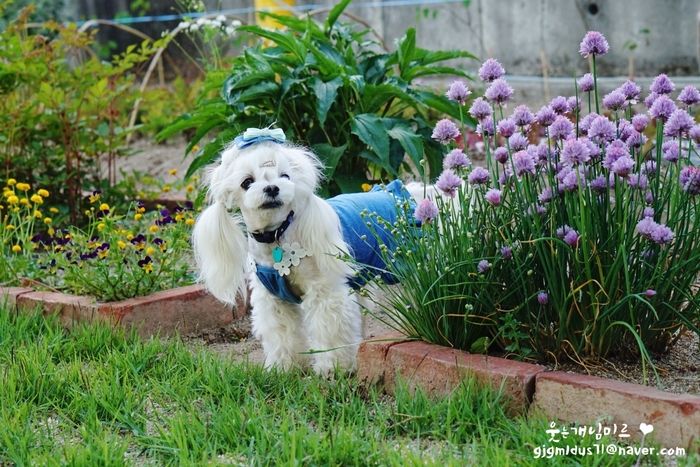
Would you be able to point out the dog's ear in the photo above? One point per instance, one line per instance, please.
(221, 252)
(308, 169)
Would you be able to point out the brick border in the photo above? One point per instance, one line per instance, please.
(181, 310)
(532, 389)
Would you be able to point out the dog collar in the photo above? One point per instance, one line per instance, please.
(271, 236)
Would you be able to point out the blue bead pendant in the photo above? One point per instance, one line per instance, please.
(277, 254)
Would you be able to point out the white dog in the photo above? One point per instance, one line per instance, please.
(301, 287)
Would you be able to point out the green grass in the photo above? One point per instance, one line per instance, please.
(94, 396)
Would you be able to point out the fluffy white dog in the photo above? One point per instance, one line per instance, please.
(288, 244)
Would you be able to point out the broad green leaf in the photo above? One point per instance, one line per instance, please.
(286, 41)
(371, 131)
(418, 71)
(411, 142)
(268, 88)
(211, 151)
(349, 183)
(330, 156)
(443, 104)
(296, 24)
(325, 96)
(375, 96)
(426, 57)
(406, 48)
(335, 13)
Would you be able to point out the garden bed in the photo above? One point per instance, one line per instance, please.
(557, 395)
(183, 310)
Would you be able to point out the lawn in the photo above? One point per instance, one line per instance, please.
(94, 396)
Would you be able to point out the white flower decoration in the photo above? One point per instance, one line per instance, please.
(283, 267)
(294, 252)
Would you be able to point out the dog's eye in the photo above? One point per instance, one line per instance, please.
(284, 176)
(247, 182)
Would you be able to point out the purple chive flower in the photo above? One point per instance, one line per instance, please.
(614, 100)
(593, 43)
(601, 130)
(480, 109)
(455, 159)
(569, 178)
(689, 96)
(690, 180)
(524, 163)
(623, 166)
(631, 91)
(539, 152)
(561, 231)
(562, 128)
(448, 182)
(636, 140)
(638, 181)
(613, 151)
(426, 211)
(694, 134)
(599, 183)
(542, 298)
(545, 116)
(499, 91)
(649, 168)
(546, 195)
(536, 209)
(493, 196)
(522, 116)
(649, 293)
(458, 92)
(506, 127)
(662, 108)
(485, 127)
(648, 212)
(518, 142)
(506, 174)
(574, 103)
(658, 233)
(662, 85)
(507, 252)
(575, 152)
(670, 150)
(491, 70)
(585, 83)
(483, 266)
(640, 122)
(678, 124)
(571, 238)
(650, 99)
(559, 105)
(500, 154)
(478, 176)
(649, 197)
(585, 123)
(445, 131)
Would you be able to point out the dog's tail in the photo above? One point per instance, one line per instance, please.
(221, 251)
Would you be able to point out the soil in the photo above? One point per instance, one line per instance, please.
(678, 371)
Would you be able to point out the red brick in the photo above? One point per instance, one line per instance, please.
(371, 357)
(69, 308)
(184, 310)
(8, 295)
(439, 370)
(572, 397)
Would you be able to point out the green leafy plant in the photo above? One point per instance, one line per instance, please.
(331, 88)
(63, 111)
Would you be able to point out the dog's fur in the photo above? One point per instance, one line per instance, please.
(328, 320)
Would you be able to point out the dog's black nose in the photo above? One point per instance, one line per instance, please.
(271, 190)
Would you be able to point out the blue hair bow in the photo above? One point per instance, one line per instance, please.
(258, 135)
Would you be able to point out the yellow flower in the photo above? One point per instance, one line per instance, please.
(179, 216)
(172, 171)
(141, 210)
(15, 209)
(24, 202)
(95, 197)
(153, 229)
(121, 244)
(150, 250)
(43, 192)
(189, 221)
(148, 267)
(104, 207)
(366, 187)
(47, 220)
(11, 182)
(166, 188)
(101, 226)
(12, 200)
(8, 193)
(36, 199)
(138, 216)
(129, 236)
(10, 227)
(88, 212)
(53, 210)
(16, 248)
(38, 214)
(23, 186)
(190, 188)
(51, 231)
(195, 148)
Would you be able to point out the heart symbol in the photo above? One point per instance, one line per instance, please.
(646, 429)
